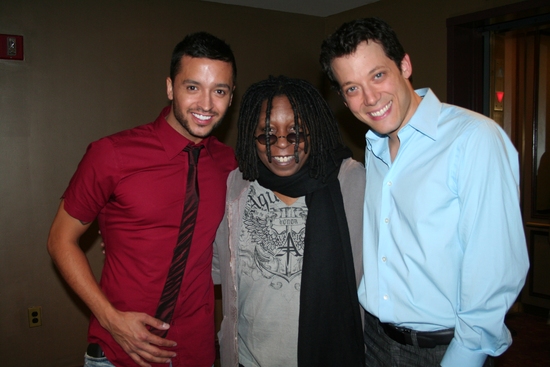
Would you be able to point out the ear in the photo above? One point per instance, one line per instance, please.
(169, 89)
(406, 67)
(343, 98)
(231, 97)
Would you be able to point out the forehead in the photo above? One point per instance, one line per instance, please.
(281, 110)
(367, 59)
(205, 70)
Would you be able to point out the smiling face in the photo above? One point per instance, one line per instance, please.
(283, 162)
(374, 89)
(201, 94)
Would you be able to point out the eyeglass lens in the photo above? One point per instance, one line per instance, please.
(291, 138)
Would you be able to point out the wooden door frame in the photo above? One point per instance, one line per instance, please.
(468, 86)
(466, 48)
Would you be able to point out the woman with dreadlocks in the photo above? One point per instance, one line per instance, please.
(288, 251)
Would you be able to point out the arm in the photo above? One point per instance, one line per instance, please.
(495, 258)
(216, 276)
(127, 328)
(221, 242)
(352, 181)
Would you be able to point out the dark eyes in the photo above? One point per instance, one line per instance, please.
(291, 138)
(220, 92)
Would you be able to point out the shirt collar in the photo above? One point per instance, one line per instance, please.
(172, 141)
(424, 119)
(426, 116)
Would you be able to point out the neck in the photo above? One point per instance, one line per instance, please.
(394, 141)
(285, 199)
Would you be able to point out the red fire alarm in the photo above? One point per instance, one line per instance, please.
(11, 47)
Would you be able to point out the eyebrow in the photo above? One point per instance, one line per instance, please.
(374, 70)
(223, 85)
(194, 82)
(345, 84)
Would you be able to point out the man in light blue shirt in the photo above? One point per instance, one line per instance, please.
(444, 247)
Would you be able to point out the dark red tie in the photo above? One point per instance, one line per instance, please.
(169, 296)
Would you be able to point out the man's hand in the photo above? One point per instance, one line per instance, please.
(131, 333)
(129, 329)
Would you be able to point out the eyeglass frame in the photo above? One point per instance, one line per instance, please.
(274, 138)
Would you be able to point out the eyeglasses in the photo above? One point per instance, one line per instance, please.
(291, 138)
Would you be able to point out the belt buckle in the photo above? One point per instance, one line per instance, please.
(403, 330)
(398, 334)
(406, 333)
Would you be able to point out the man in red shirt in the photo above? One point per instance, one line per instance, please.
(134, 183)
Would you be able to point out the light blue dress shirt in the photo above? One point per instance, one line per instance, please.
(444, 245)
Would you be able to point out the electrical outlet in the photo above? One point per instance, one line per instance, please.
(35, 316)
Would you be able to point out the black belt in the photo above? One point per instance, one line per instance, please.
(425, 339)
(95, 351)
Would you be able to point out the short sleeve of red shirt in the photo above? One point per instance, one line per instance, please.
(93, 182)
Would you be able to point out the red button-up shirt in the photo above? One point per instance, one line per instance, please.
(134, 183)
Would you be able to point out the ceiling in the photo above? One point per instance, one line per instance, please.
(320, 8)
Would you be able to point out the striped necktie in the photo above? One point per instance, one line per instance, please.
(167, 303)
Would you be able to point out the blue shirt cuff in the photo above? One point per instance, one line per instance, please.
(459, 356)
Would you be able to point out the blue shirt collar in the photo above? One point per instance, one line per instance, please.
(424, 119)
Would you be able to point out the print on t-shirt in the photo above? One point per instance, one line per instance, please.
(272, 240)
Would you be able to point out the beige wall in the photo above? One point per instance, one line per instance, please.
(92, 68)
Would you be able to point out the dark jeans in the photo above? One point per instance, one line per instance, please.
(382, 351)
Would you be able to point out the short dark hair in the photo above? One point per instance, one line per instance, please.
(202, 45)
(345, 40)
(312, 115)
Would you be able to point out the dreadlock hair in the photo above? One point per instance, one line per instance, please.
(312, 116)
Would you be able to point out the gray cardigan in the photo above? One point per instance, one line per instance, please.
(352, 182)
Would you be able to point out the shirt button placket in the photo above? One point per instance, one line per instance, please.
(384, 277)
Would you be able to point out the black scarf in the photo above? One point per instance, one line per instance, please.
(329, 331)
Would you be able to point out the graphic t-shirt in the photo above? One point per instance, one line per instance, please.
(271, 248)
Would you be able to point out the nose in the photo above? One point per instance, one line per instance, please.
(370, 96)
(282, 142)
(205, 101)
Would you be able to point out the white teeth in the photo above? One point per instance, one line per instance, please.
(283, 159)
(202, 117)
(382, 111)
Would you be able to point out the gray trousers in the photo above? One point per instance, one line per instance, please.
(382, 351)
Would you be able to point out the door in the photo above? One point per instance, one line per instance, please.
(519, 94)
(508, 79)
